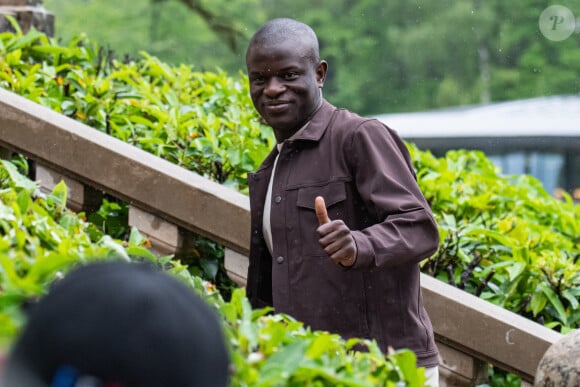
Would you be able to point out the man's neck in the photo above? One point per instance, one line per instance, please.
(280, 138)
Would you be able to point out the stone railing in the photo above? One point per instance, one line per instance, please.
(168, 203)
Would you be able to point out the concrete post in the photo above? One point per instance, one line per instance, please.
(80, 197)
(28, 13)
(457, 369)
(166, 238)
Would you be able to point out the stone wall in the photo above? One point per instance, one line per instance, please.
(28, 14)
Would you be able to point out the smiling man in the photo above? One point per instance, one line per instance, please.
(276, 63)
(339, 224)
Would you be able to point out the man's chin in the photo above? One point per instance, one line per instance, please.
(284, 132)
(281, 125)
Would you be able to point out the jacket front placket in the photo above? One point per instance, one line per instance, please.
(282, 227)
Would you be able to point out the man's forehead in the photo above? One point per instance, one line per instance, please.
(290, 43)
(284, 50)
(276, 65)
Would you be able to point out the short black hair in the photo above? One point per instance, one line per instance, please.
(279, 30)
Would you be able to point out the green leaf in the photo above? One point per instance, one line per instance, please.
(247, 328)
(14, 23)
(515, 270)
(141, 252)
(320, 345)
(494, 235)
(136, 238)
(24, 201)
(407, 362)
(572, 297)
(210, 267)
(17, 179)
(7, 213)
(114, 246)
(59, 195)
(280, 366)
(556, 303)
(538, 302)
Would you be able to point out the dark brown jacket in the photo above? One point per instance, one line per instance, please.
(363, 171)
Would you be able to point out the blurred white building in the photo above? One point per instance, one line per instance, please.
(538, 136)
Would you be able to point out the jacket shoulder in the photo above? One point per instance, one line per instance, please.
(346, 120)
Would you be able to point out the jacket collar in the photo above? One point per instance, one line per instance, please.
(318, 123)
(313, 132)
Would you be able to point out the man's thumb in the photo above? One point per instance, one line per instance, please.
(320, 209)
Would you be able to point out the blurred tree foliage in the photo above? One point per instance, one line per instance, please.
(384, 56)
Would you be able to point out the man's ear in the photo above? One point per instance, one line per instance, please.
(321, 69)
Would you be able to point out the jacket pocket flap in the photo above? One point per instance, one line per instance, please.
(332, 193)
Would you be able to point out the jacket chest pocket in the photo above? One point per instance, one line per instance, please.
(334, 194)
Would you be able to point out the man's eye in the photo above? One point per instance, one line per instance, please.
(257, 79)
(290, 76)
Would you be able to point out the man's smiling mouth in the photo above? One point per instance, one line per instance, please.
(276, 107)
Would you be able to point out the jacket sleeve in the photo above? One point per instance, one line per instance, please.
(405, 231)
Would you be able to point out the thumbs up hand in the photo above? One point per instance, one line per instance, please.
(320, 208)
(335, 237)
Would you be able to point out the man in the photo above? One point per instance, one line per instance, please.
(339, 224)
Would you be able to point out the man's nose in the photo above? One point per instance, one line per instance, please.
(274, 87)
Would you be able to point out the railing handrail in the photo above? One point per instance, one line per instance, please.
(461, 320)
(484, 330)
(124, 171)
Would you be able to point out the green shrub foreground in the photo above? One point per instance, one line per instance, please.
(41, 240)
(202, 121)
(503, 238)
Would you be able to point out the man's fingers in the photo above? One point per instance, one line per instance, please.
(320, 209)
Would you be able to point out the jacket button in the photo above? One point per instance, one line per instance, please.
(280, 259)
(278, 199)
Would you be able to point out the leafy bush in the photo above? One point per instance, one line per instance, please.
(202, 121)
(41, 241)
(506, 240)
(503, 238)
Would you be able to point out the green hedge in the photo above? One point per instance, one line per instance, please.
(503, 238)
(41, 240)
(202, 121)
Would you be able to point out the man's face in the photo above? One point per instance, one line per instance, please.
(284, 85)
